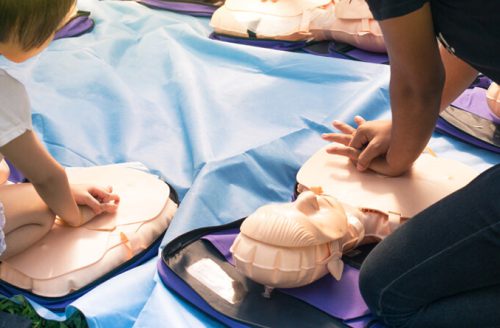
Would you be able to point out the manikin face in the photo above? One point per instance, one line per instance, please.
(323, 211)
(310, 220)
(292, 244)
(310, 204)
(15, 53)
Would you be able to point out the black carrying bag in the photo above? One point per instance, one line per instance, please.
(197, 270)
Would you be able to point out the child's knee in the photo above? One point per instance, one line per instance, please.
(47, 221)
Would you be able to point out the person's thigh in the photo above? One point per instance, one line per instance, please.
(27, 217)
(23, 206)
(450, 249)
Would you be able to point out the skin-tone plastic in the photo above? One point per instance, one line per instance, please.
(297, 20)
(67, 258)
(429, 180)
(4, 171)
(493, 99)
(293, 244)
(353, 24)
(289, 245)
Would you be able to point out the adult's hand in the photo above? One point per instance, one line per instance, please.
(365, 145)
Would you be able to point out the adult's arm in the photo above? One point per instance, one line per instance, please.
(425, 78)
(459, 76)
(416, 85)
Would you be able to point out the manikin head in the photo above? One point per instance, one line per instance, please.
(310, 220)
(28, 27)
(292, 244)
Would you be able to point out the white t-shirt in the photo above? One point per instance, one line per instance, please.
(15, 119)
(15, 109)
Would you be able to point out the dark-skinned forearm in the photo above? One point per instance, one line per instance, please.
(415, 109)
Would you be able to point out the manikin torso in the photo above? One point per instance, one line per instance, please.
(293, 244)
(68, 258)
(493, 99)
(348, 21)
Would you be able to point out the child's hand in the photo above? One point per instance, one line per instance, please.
(98, 199)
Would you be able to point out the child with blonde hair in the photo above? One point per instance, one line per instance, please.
(28, 210)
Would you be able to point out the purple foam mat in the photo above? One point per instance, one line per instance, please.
(80, 24)
(481, 82)
(323, 48)
(263, 43)
(340, 50)
(474, 101)
(189, 8)
(341, 299)
(15, 175)
(470, 118)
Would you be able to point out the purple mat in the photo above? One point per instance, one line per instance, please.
(474, 101)
(341, 299)
(481, 82)
(345, 51)
(78, 25)
(190, 8)
(323, 48)
(15, 175)
(470, 119)
(263, 43)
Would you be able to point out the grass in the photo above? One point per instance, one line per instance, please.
(19, 306)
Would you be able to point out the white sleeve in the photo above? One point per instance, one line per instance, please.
(15, 109)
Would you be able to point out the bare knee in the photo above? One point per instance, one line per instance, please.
(46, 222)
(23, 236)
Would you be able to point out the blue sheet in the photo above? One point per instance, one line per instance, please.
(227, 125)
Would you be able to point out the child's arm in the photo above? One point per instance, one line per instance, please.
(50, 181)
(93, 200)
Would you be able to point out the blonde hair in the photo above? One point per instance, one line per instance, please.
(30, 23)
